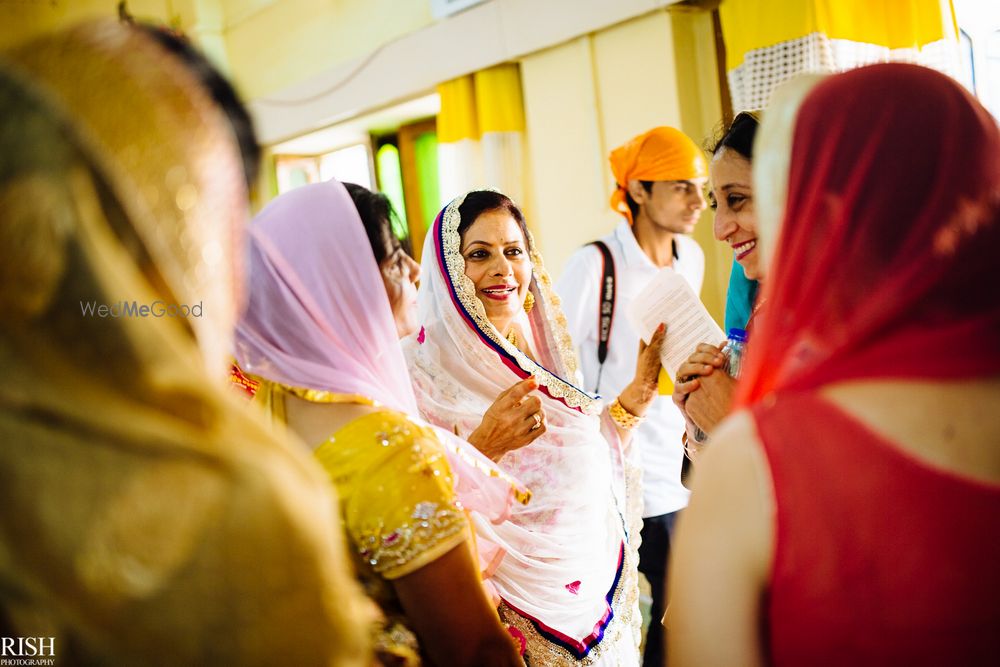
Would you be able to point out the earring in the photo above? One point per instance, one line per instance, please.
(529, 302)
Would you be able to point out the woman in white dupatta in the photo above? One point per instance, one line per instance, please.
(567, 580)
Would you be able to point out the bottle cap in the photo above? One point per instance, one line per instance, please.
(737, 334)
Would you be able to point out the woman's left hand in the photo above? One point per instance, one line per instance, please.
(703, 362)
(712, 401)
(639, 394)
(514, 420)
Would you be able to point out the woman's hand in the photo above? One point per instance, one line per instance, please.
(639, 394)
(702, 395)
(513, 421)
(702, 362)
(707, 406)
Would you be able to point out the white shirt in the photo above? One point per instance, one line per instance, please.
(658, 439)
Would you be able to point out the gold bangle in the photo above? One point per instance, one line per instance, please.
(625, 419)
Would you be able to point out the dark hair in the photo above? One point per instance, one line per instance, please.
(219, 88)
(632, 205)
(480, 201)
(739, 135)
(376, 214)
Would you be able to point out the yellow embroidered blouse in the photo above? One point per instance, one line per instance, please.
(397, 499)
(399, 509)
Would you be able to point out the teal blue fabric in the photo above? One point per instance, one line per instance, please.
(739, 298)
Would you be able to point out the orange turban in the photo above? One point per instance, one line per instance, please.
(662, 154)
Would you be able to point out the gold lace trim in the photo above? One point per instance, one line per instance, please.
(323, 396)
(543, 653)
(241, 378)
(466, 292)
(521, 493)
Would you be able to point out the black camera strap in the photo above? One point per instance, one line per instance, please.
(606, 312)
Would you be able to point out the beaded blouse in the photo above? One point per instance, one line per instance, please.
(399, 509)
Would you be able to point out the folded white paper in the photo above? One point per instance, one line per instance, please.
(669, 298)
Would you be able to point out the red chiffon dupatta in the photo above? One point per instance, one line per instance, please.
(885, 266)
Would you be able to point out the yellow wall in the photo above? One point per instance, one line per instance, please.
(701, 118)
(564, 148)
(587, 96)
(272, 45)
(202, 20)
(264, 45)
(636, 79)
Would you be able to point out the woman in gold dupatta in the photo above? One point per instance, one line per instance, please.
(147, 517)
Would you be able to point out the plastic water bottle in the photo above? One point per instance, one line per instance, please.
(734, 351)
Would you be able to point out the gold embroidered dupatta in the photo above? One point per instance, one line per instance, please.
(148, 518)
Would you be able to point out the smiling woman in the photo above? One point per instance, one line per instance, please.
(732, 194)
(494, 245)
(830, 501)
(702, 395)
(493, 333)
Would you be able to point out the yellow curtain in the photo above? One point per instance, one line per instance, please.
(481, 133)
(768, 41)
(457, 119)
(499, 107)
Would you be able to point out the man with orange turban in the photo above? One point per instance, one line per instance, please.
(660, 177)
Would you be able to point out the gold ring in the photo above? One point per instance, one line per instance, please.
(538, 421)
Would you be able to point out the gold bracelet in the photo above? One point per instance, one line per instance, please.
(625, 419)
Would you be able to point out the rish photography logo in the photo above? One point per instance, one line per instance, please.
(136, 309)
(27, 651)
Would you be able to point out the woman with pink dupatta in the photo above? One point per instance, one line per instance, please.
(328, 302)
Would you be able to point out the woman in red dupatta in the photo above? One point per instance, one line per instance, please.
(846, 513)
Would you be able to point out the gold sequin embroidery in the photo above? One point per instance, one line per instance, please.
(387, 549)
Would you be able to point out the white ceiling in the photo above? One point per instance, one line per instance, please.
(356, 130)
(479, 37)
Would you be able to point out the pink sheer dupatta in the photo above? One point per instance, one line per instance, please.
(318, 318)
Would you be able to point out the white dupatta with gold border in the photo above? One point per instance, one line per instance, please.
(566, 572)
